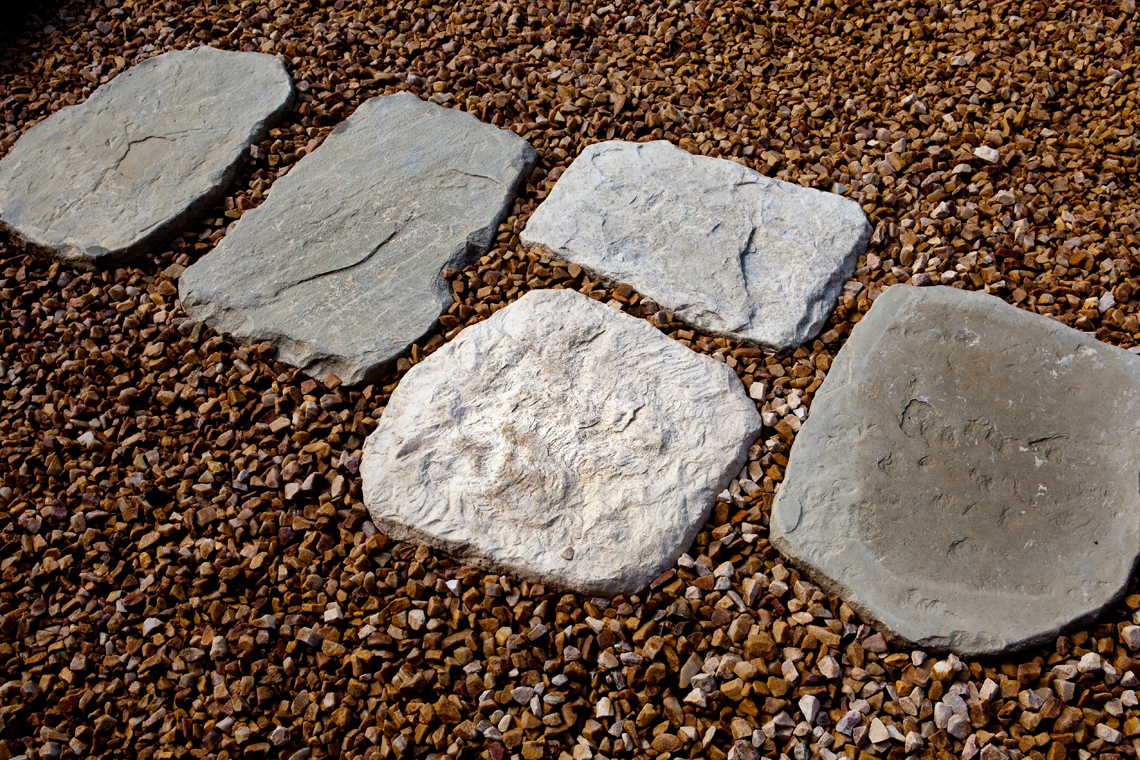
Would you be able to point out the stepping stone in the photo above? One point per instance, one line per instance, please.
(340, 266)
(561, 441)
(726, 249)
(968, 474)
(101, 182)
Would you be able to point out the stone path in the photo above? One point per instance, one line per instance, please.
(967, 478)
(340, 266)
(561, 441)
(145, 155)
(726, 249)
(968, 474)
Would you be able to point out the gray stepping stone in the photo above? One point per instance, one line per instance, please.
(109, 179)
(726, 249)
(968, 474)
(340, 266)
(561, 441)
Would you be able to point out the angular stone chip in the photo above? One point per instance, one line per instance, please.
(726, 249)
(968, 477)
(561, 441)
(106, 180)
(340, 266)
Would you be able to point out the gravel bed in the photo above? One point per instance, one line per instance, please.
(187, 569)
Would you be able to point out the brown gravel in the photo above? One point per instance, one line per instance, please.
(181, 575)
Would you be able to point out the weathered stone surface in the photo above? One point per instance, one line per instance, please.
(340, 266)
(560, 441)
(726, 249)
(97, 183)
(968, 474)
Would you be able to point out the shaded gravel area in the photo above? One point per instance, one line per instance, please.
(187, 569)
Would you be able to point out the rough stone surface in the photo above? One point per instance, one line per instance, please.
(968, 474)
(340, 266)
(98, 183)
(560, 441)
(724, 248)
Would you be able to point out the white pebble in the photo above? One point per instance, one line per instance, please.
(1065, 690)
(697, 698)
(1110, 735)
(958, 727)
(724, 570)
(849, 722)
(987, 154)
(877, 733)
(1090, 663)
(913, 743)
(809, 706)
(942, 714)
(829, 668)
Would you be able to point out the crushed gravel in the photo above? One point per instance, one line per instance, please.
(186, 566)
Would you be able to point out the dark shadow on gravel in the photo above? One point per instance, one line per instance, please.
(21, 29)
(16, 16)
(12, 16)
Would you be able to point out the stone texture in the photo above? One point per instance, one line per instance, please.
(968, 474)
(98, 183)
(340, 266)
(560, 441)
(726, 249)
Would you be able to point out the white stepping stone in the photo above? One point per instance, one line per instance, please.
(968, 474)
(98, 183)
(561, 441)
(340, 266)
(726, 249)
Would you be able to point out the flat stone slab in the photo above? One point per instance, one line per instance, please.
(340, 266)
(968, 474)
(106, 180)
(726, 249)
(560, 441)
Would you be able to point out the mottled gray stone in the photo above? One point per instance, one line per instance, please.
(560, 441)
(724, 248)
(340, 266)
(968, 475)
(100, 182)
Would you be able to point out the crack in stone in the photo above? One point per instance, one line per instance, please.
(347, 267)
(482, 176)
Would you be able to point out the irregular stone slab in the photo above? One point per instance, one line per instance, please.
(98, 183)
(340, 266)
(968, 474)
(560, 441)
(726, 249)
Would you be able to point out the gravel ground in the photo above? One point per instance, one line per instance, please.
(187, 568)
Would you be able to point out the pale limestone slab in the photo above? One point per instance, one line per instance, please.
(726, 249)
(561, 441)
